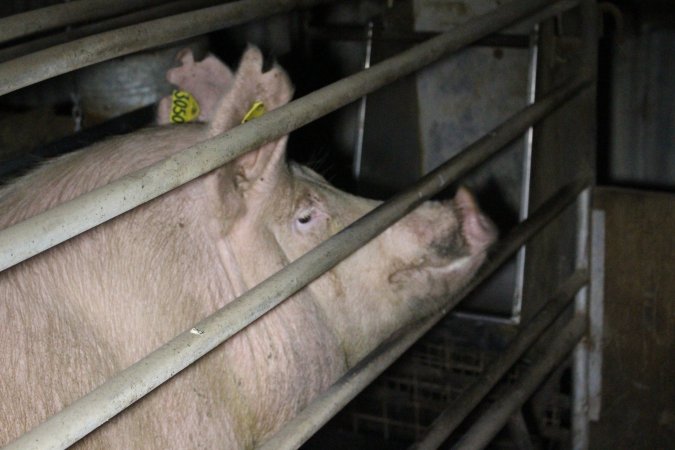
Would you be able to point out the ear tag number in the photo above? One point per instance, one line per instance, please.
(256, 110)
(184, 107)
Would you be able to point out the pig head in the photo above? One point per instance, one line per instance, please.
(92, 306)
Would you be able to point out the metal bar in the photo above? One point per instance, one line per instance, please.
(357, 33)
(64, 58)
(120, 391)
(552, 11)
(361, 124)
(71, 218)
(63, 14)
(80, 31)
(39, 66)
(580, 358)
(596, 314)
(492, 420)
(351, 33)
(590, 21)
(326, 405)
(527, 172)
(456, 412)
(580, 422)
(519, 432)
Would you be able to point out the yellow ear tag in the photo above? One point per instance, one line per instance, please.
(184, 107)
(257, 110)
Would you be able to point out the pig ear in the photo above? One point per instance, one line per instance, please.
(273, 88)
(207, 81)
(185, 57)
(261, 166)
(477, 229)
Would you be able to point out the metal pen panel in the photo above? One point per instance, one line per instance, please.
(493, 420)
(71, 218)
(453, 416)
(120, 391)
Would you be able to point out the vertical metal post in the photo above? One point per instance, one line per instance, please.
(527, 171)
(580, 356)
(361, 125)
(519, 432)
(596, 314)
(580, 428)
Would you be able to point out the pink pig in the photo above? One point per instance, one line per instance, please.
(86, 309)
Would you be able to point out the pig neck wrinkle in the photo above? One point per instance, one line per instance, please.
(217, 229)
(231, 266)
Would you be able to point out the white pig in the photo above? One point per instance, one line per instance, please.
(90, 307)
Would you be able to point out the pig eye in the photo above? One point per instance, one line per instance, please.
(310, 218)
(305, 218)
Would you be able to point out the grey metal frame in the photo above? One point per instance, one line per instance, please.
(61, 15)
(78, 215)
(87, 29)
(452, 417)
(41, 65)
(548, 358)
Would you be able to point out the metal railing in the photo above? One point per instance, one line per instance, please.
(41, 65)
(55, 16)
(87, 29)
(91, 209)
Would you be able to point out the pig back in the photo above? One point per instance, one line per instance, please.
(84, 310)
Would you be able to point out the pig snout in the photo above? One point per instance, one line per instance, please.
(479, 231)
(441, 245)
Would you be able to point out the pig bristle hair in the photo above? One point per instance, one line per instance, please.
(318, 161)
(23, 170)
